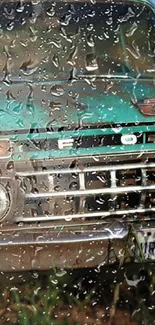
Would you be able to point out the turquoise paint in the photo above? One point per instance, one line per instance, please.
(100, 107)
(114, 107)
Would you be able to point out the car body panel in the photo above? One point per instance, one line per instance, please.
(94, 106)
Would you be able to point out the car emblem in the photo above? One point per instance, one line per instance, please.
(128, 139)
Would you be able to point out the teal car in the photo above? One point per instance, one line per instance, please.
(77, 133)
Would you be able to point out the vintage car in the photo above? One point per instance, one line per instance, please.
(77, 133)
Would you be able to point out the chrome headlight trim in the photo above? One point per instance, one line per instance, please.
(5, 202)
(5, 148)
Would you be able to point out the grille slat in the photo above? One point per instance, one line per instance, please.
(87, 215)
(115, 190)
(87, 169)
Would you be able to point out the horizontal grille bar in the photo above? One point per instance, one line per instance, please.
(112, 190)
(86, 169)
(86, 215)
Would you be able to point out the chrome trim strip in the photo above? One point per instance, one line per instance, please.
(98, 237)
(84, 215)
(80, 238)
(10, 144)
(82, 181)
(113, 180)
(82, 187)
(114, 190)
(86, 169)
(144, 193)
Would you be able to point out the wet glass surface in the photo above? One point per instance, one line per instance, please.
(77, 167)
(46, 39)
(111, 295)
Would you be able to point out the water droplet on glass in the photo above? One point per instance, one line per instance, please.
(55, 60)
(60, 273)
(64, 21)
(91, 62)
(10, 26)
(9, 13)
(133, 28)
(51, 12)
(57, 90)
(90, 40)
(29, 67)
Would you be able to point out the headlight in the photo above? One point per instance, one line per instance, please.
(4, 201)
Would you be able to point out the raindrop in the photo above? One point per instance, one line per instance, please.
(100, 201)
(13, 43)
(90, 40)
(36, 291)
(133, 282)
(56, 43)
(43, 88)
(91, 13)
(7, 70)
(72, 56)
(57, 90)
(35, 275)
(93, 1)
(106, 35)
(20, 123)
(109, 21)
(55, 105)
(134, 51)
(64, 21)
(90, 27)
(72, 75)
(55, 60)
(9, 14)
(126, 17)
(91, 62)
(132, 29)
(20, 7)
(51, 12)
(10, 166)
(10, 26)
(17, 108)
(117, 129)
(55, 281)
(33, 34)
(65, 36)
(24, 43)
(71, 9)
(60, 273)
(29, 67)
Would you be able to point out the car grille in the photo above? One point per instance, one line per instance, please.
(84, 196)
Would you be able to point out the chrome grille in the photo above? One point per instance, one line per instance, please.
(94, 193)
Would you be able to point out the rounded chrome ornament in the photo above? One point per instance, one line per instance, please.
(4, 202)
(128, 139)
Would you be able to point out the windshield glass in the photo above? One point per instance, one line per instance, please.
(52, 40)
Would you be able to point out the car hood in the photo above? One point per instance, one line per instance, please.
(26, 105)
